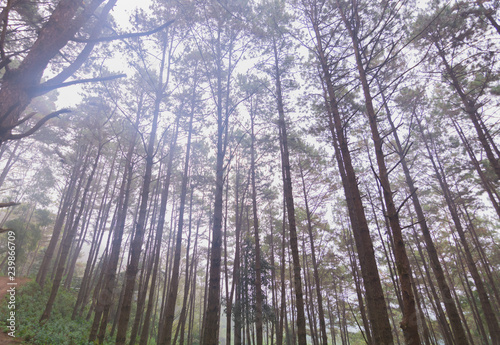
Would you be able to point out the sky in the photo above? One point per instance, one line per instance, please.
(70, 96)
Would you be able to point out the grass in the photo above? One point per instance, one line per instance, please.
(59, 329)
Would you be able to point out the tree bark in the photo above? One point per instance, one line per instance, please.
(491, 320)
(258, 278)
(166, 337)
(377, 308)
(319, 296)
(105, 293)
(451, 309)
(19, 85)
(409, 323)
(287, 190)
(66, 243)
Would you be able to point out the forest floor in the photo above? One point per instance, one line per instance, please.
(4, 338)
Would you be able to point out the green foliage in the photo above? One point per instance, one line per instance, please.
(29, 226)
(59, 329)
(245, 307)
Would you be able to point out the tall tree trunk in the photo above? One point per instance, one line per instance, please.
(355, 275)
(138, 237)
(258, 278)
(487, 185)
(321, 313)
(147, 264)
(377, 308)
(60, 220)
(274, 288)
(470, 106)
(451, 309)
(166, 337)
(189, 273)
(66, 243)
(159, 235)
(70, 268)
(433, 296)
(211, 318)
(236, 285)
(102, 218)
(491, 319)
(409, 323)
(282, 316)
(482, 256)
(287, 189)
(108, 274)
(471, 299)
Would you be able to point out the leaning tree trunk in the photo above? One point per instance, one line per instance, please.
(489, 314)
(471, 106)
(102, 219)
(108, 274)
(449, 304)
(409, 323)
(487, 185)
(60, 220)
(377, 308)
(66, 243)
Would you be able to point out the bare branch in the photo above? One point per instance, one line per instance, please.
(124, 36)
(38, 125)
(9, 204)
(44, 88)
(405, 200)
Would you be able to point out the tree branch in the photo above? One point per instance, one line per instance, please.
(124, 36)
(24, 119)
(85, 53)
(9, 204)
(37, 126)
(44, 88)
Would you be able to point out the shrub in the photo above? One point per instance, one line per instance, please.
(59, 329)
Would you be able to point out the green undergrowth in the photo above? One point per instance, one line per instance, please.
(59, 329)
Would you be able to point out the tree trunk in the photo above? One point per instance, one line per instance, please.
(470, 107)
(409, 323)
(377, 308)
(66, 243)
(138, 237)
(319, 296)
(166, 337)
(108, 276)
(287, 190)
(21, 84)
(60, 220)
(451, 309)
(95, 245)
(258, 279)
(159, 235)
(491, 320)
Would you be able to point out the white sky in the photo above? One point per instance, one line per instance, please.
(70, 96)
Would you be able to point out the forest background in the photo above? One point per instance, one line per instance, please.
(249, 172)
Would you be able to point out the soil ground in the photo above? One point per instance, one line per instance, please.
(4, 338)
